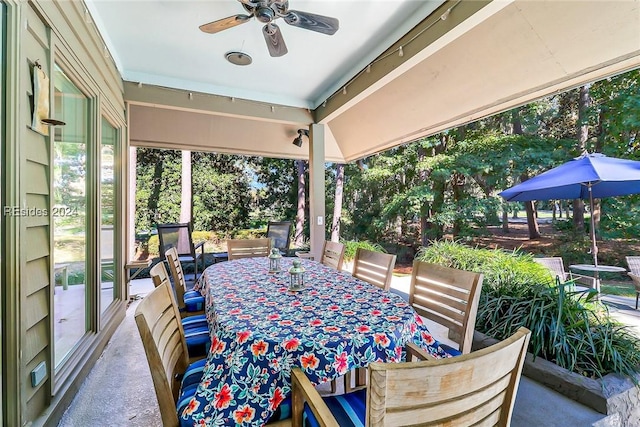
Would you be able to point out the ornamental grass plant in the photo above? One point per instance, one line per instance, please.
(570, 328)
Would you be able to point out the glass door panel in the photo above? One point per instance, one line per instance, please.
(107, 217)
(69, 215)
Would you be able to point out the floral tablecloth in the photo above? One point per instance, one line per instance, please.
(260, 330)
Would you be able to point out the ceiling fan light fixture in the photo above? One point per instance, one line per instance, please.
(238, 58)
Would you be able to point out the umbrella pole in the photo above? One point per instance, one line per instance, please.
(594, 246)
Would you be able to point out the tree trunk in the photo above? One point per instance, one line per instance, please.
(534, 231)
(505, 219)
(584, 101)
(298, 239)
(437, 230)
(457, 184)
(154, 197)
(186, 196)
(337, 205)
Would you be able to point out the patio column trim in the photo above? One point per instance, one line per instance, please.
(316, 189)
(130, 189)
(11, 408)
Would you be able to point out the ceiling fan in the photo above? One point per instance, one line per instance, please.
(267, 11)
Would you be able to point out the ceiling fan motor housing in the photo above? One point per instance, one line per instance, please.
(265, 14)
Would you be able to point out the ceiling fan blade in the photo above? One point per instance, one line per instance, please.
(313, 22)
(224, 23)
(275, 42)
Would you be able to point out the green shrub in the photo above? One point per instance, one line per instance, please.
(153, 245)
(350, 247)
(251, 233)
(514, 272)
(568, 328)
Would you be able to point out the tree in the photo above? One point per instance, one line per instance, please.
(337, 203)
(222, 194)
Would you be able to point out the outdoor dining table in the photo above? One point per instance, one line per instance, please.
(596, 270)
(260, 330)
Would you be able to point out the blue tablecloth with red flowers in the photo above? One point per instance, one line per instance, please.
(260, 330)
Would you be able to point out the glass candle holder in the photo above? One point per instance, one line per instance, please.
(296, 276)
(274, 260)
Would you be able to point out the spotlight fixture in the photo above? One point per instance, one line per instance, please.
(297, 141)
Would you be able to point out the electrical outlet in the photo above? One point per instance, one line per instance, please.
(38, 374)
(320, 220)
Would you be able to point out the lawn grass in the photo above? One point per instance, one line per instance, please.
(623, 289)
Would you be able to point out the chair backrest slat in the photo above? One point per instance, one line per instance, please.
(159, 274)
(555, 266)
(464, 390)
(179, 282)
(164, 344)
(332, 254)
(248, 248)
(374, 267)
(634, 264)
(447, 296)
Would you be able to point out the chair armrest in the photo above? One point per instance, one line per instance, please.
(200, 245)
(581, 278)
(636, 280)
(303, 391)
(417, 352)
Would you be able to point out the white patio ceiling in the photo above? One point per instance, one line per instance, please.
(485, 57)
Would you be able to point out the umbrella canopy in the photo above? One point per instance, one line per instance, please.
(606, 176)
(586, 177)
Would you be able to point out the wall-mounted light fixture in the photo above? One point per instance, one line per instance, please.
(298, 139)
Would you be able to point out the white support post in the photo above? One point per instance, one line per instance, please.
(317, 227)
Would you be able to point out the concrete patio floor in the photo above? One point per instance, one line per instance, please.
(119, 390)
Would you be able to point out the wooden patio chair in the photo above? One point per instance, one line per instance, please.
(165, 345)
(478, 388)
(178, 235)
(374, 267)
(449, 297)
(280, 234)
(634, 272)
(555, 265)
(377, 269)
(248, 248)
(189, 302)
(159, 274)
(332, 254)
(196, 328)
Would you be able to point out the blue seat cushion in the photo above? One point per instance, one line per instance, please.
(349, 410)
(283, 411)
(193, 301)
(450, 350)
(198, 340)
(190, 381)
(196, 321)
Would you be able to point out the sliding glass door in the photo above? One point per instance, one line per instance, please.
(70, 157)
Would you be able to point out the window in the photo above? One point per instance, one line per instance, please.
(107, 214)
(70, 215)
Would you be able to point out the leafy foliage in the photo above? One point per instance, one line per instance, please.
(568, 327)
(351, 246)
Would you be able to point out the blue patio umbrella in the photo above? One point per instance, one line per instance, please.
(590, 176)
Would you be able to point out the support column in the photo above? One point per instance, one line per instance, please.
(131, 206)
(317, 228)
